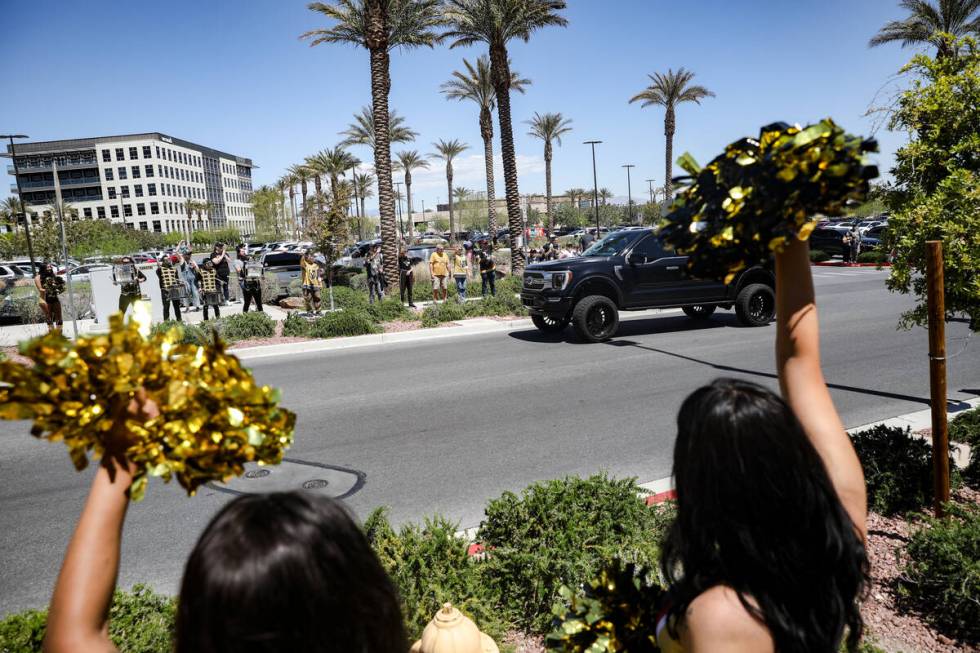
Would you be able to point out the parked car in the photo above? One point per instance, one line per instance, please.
(420, 253)
(353, 256)
(82, 272)
(873, 236)
(285, 266)
(632, 271)
(828, 239)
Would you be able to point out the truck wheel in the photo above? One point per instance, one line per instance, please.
(595, 318)
(755, 305)
(549, 324)
(700, 312)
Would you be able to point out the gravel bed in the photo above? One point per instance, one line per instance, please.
(401, 325)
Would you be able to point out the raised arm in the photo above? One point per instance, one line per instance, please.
(802, 382)
(78, 619)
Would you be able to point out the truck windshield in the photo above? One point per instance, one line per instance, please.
(613, 244)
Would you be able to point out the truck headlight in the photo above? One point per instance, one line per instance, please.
(560, 280)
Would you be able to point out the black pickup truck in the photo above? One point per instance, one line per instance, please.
(631, 271)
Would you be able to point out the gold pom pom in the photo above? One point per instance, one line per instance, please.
(213, 417)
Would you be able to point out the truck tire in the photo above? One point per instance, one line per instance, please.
(755, 305)
(548, 324)
(698, 312)
(595, 318)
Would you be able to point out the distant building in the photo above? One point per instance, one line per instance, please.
(144, 181)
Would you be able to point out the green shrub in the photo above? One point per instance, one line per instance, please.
(296, 326)
(429, 566)
(358, 281)
(942, 574)
(562, 532)
(389, 309)
(874, 256)
(819, 256)
(436, 314)
(509, 285)
(348, 298)
(897, 469)
(965, 427)
(243, 326)
(343, 323)
(140, 621)
(188, 334)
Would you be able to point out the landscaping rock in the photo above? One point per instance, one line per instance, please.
(291, 303)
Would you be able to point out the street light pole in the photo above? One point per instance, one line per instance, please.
(650, 181)
(595, 187)
(629, 189)
(59, 206)
(20, 196)
(400, 221)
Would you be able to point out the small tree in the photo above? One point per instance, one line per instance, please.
(937, 175)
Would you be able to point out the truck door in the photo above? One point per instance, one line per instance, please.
(653, 275)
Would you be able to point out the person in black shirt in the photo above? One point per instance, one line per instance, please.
(170, 284)
(585, 241)
(130, 291)
(49, 286)
(488, 267)
(219, 258)
(406, 276)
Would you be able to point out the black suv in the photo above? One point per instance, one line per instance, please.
(632, 271)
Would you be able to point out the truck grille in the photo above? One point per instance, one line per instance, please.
(533, 280)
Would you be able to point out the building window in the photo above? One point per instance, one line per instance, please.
(124, 191)
(149, 170)
(87, 213)
(100, 211)
(106, 156)
(160, 171)
(146, 151)
(114, 211)
(169, 155)
(141, 209)
(133, 153)
(156, 226)
(119, 154)
(154, 208)
(128, 210)
(136, 172)
(112, 192)
(108, 174)
(138, 190)
(158, 151)
(122, 172)
(151, 190)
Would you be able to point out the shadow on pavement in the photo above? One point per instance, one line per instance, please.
(644, 326)
(951, 403)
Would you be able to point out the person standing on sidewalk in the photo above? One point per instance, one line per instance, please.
(189, 271)
(406, 277)
(461, 272)
(312, 283)
(855, 243)
(210, 284)
(374, 267)
(251, 285)
(170, 286)
(222, 267)
(49, 287)
(488, 270)
(129, 291)
(439, 269)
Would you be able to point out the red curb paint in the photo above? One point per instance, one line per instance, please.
(660, 497)
(475, 549)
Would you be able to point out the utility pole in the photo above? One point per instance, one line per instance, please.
(650, 181)
(595, 187)
(937, 373)
(629, 190)
(20, 197)
(64, 245)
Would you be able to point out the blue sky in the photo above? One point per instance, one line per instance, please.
(235, 76)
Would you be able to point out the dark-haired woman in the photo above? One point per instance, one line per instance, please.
(767, 552)
(284, 572)
(49, 288)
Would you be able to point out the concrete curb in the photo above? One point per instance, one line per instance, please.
(838, 264)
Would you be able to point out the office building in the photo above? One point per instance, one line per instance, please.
(151, 182)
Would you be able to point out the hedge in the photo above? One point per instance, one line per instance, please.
(874, 256)
(819, 256)
(343, 323)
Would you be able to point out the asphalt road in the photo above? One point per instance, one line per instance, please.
(444, 425)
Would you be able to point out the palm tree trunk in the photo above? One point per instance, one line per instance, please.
(491, 200)
(500, 72)
(550, 223)
(303, 189)
(408, 197)
(360, 223)
(669, 154)
(380, 85)
(449, 182)
(318, 185)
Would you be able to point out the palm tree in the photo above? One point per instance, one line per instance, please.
(495, 22)
(476, 85)
(334, 163)
(361, 131)
(605, 195)
(362, 188)
(289, 181)
(549, 127)
(668, 91)
(301, 173)
(575, 195)
(409, 160)
(447, 151)
(379, 26)
(927, 20)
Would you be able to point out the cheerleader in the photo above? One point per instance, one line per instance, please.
(49, 286)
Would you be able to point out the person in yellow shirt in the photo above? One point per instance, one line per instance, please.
(461, 271)
(439, 268)
(312, 283)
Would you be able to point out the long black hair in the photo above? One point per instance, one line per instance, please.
(286, 572)
(756, 511)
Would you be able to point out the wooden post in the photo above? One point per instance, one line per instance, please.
(937, 373)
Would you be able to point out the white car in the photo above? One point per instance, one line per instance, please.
(82, 272)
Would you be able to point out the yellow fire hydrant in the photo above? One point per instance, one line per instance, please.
(450, 631)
